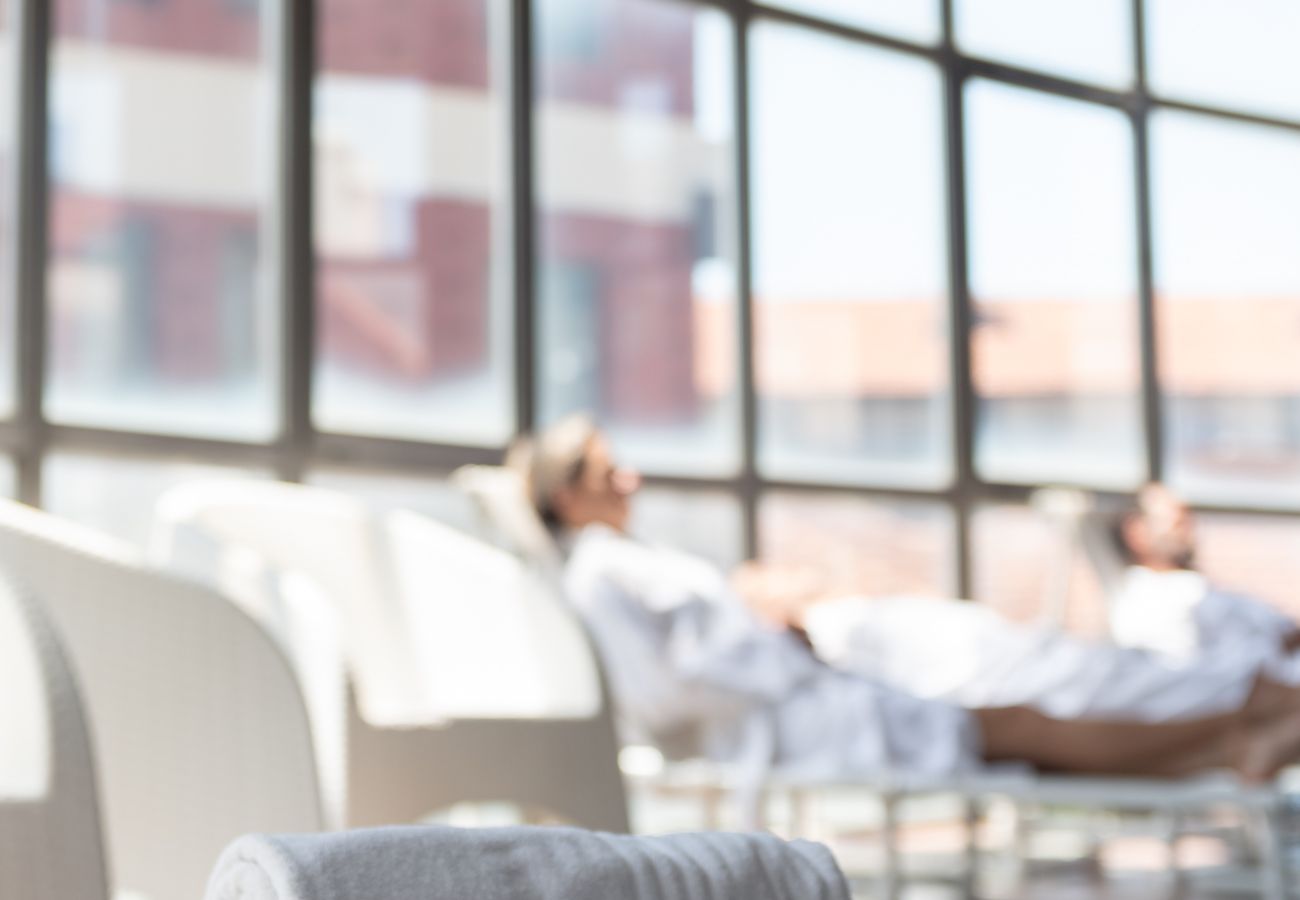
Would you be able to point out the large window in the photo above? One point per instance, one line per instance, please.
(1091, 40)
(1053, 279)
(412, 220)
(1027, 568)
(854, 547)
(850, 265)
(1227, 210)
(847, 279)
(637, 267)
(1239, 54)
(707, 523)
(160, 153)
(913, 19)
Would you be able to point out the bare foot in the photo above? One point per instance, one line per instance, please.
(1267, 749)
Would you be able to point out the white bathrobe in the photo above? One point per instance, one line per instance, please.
(684, 655)
(1183, 617)
(967, 654)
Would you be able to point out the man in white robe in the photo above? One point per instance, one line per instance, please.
(1167, 607)
(684, 654)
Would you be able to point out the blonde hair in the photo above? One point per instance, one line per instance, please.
(552, 459)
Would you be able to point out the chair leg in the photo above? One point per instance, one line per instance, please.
(711, 808)
(751, 808)
(889, 836)
(1022, 838)
(800, 820)
(971, 852)
(1172, 836)
(1273, 862)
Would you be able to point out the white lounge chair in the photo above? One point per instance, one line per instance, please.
(471, 683)
(197, 726)
(50, 842)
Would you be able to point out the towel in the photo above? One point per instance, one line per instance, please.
(523, 863)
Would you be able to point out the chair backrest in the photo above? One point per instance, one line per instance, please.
(438, 625)
(334, 541)
(1082, 521)
(1099, 547)
(50, 840)
(197, 724)
(494, 638)
(508, 514)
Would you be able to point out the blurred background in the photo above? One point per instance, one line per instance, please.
(847, 279)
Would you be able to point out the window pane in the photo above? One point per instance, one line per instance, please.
(1254, 555)
(1053, 279)
(8, 104)
(1091, 40)
(117, 495)
(430, 494)
(706, 523)
(850, 265)
(160, 144)
(861, 546)
(8, 478)
(1022, 569)
(637, 236)
(1226, 204)
(412, 227)
(916, 20)
(1238, 54)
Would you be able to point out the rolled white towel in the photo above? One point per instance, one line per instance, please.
(523, 863)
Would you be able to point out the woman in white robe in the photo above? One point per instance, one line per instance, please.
(684, 654)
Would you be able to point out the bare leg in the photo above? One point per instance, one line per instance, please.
(1110, 747)
(1268, 748)
(1270, 699)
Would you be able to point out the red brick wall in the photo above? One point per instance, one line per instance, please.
(210, 27)
(643, 273)
(444, 42)
(450, 275)
(185, 272)
(636, 41)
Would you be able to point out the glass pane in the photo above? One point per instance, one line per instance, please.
(916, 20)
(1226, 206)
(706, 523)
(412, 227)
(850, 265)
(1090, 40)
(1024, 569)
(859, 545)
(160, 152)
(1254, 555)
(1054, 283)
(8, 478)
(117, 495)
(637, 227)
(8, 109)
(427, 493)
(1237, 54)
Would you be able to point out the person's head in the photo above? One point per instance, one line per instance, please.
(572, 477)
(1157, 531)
